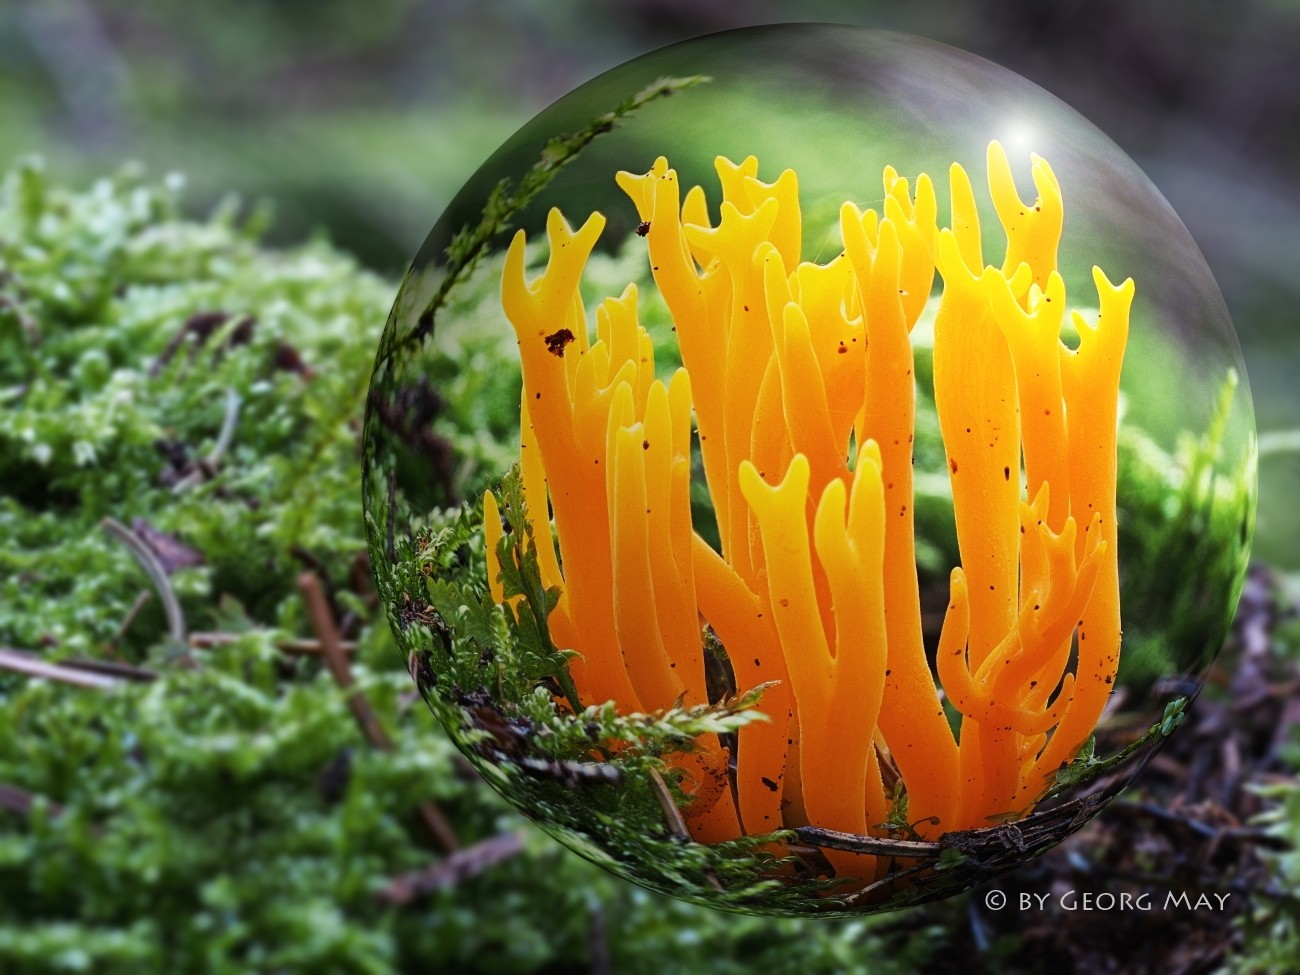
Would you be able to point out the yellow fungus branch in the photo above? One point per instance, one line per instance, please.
(814, 594)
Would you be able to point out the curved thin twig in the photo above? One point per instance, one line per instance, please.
(33, 666)
(673, 817)
(157, 575)
(833, 839)
(207, 467)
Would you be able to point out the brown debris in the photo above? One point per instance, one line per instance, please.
(286, 358)
(453, 869)
(201, 326)
(326, 630)
(1185, 827)
(556, 342)
(407, 413)
(170, 551)
(512, 740)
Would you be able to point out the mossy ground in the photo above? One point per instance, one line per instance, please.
(230, 816)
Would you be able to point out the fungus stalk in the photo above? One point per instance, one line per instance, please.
(799, 380)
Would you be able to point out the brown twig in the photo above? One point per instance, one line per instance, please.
(20, 801)
(452, 869)
(28, 661)
(867, 893)
(111, 668)
(667, 805)
(336, 661)
(141, 601)
(313, 648)
(598, 940)
(833, 839)
(673, 816)
(313, 563)
(33, 666)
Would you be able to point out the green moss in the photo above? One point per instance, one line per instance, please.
(231, 818)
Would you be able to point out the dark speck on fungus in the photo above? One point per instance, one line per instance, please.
(557, 341)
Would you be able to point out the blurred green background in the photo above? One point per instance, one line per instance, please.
(362, 120)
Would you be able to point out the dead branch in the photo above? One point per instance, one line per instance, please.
(833, 839)
(141, 601)
(111, 668)
(598, 940)
(673, 816)
(867, 894)
(453, 869)
(313, 563)
(312, 648)
(33, 666)
(336, 661)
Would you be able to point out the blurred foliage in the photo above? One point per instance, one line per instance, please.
(112, 385)
(366, 121)
(1273, 927)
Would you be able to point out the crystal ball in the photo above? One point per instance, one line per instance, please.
(809, 470)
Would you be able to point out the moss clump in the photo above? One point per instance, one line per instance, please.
(230, 817)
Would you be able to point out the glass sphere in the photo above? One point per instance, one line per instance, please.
(809, 470)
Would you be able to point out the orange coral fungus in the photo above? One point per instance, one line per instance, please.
(800, 380)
